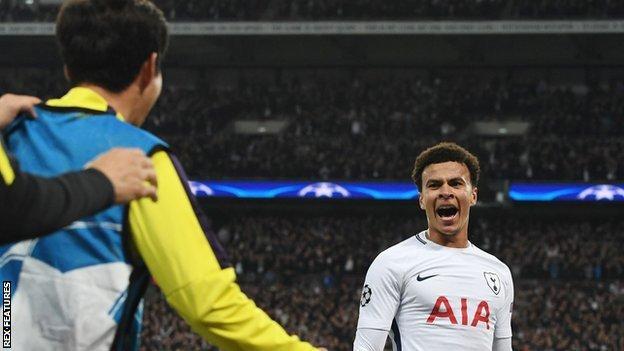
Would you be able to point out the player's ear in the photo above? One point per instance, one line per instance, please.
(473, 195)
(148, 72)
(421, 202)
(66, 73)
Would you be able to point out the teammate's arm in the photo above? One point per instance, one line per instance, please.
(130, 173)
(32, 206)
(190, 267)
(501, 344)
(12, 105)
(368, 339)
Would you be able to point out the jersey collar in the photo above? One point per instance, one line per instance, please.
(81, 97)
(424, 235)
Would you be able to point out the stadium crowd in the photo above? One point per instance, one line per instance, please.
(304, 270)
(307, 272)
(265, 10)
(339, 246)
(362, 128)
(446, 9)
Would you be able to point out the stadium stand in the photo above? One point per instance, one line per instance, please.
(361, 128)
(254, 10)
(308, 271)
(349, 121)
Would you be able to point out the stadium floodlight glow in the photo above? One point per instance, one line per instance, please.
(249, 189)
(570, 192)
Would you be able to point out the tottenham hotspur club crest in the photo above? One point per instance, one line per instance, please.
(367, 292)
(493, 281)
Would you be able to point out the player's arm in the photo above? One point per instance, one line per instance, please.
(32, 206)
(502, 329)
(501, 344)
(368, 339)
(190, 267)
(380, 300)
(12, 105)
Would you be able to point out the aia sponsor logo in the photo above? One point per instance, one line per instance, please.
(443, 310)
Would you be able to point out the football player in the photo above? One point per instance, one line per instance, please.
(436, 291)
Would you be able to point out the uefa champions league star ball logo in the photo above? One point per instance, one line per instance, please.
(602, 192)
(324, 189)
(367, 292)
(200, 189)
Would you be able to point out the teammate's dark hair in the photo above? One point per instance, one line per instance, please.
(105, 42)
(444, 152)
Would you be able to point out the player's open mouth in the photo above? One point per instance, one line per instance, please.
(447, 212)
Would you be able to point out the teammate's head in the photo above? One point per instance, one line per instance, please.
(447, 176)
(113, 44)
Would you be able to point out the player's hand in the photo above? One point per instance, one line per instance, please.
(12, 105)
(322, 349)
(131, 172)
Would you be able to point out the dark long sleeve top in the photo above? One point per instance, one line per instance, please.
(32, 206)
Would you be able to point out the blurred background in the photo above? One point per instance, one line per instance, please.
(338, 91)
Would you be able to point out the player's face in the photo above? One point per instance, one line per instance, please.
(447, 196)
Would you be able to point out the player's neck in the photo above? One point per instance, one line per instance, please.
(121, 102)
(457, 241)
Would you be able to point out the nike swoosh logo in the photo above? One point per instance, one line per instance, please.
(420, 279)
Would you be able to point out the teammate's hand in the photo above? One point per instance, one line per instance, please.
(12, 105)
(131, 172)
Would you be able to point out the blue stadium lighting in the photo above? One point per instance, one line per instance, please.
(566, 192)
(527, 192)
(298, 189)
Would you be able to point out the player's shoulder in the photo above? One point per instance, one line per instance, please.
(389, 265)
(404, 251)
(122, 133)
(405, 247)
(495, 261)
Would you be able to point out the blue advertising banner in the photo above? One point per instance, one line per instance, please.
(299, 189)
(527, 192)
(566, 192)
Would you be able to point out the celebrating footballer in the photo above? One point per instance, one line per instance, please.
(436, 291)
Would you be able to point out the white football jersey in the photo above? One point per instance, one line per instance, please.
(430, 297)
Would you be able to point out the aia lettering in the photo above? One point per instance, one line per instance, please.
(443, 309)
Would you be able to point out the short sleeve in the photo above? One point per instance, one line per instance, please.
(503, 316)
(380, 295)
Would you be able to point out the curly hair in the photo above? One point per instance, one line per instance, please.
(444, 152)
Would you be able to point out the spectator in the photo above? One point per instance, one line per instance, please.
(572, 311)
